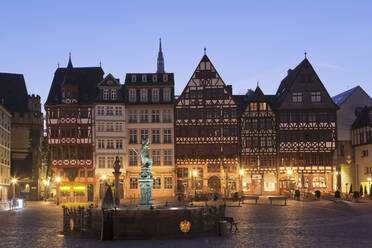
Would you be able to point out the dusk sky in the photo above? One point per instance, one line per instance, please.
(247, 41)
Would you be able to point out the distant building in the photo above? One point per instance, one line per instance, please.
(109, 133)
(149, 99)
(69, 122)
(362, 143)
(27, 132)
(350, 104)
(5, 159)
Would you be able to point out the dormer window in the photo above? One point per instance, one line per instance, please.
(154, 78)
(263, 106)
(113, 94)
(144, 78)
(253, 106)
(315, 97)
(105, 94)
(297, 97)
(165, 78)
(134, 78)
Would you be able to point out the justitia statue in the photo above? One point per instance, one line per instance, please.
(145, 177)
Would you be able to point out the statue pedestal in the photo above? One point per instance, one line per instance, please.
(145, 180)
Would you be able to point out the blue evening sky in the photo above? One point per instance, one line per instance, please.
(246, 40)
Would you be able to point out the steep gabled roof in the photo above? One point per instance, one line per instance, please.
(87, 79)
(13, 92)
(206, 74)
(362, 119)
(342, 97)
(287, 83)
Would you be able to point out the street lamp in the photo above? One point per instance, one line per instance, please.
(58, 180)
(194, 175)
(104, 177)
(241, 173)
(46, 184)
(14, 181)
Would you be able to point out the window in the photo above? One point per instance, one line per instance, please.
(319, 182)
(134, 78)
(132, 136)
(110, 110)
(90, 173)
(155, 157)
(118, 126)
(167, 136)
(165, 78)
(253, 106)
(263, 141)
(110, 162)
(144, 115)
(133, 183)
(109, 127)
(365, 153)
(101, 144)
(101, 162)
(143, 95)
(167, 115)
(119, 144)
(154, 78)
(144, 134)
(84, 133)
(105, 94)
(322, 116)
(100, 110)
(144, 78)
(113, 94)
(155, 133)
(297, 97)
(269, 142)
(132, 95)
(110, 144)
(132, 158)
(157, 183)
(101, 127)
(155, 115)
(118, 111)
(167, 157)
(132, 116)
(315, 96)
(168, 183)
(263, 106)
(312, 117)
(155, 95)
(166, 95)
(182, 172)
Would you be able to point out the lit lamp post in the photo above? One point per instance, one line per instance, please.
(117, 175)
(58, 180)
(46, 184)
(241, 173)
(14, 181)
(289, 173)
(194, 175)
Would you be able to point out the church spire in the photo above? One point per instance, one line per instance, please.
(160, 68)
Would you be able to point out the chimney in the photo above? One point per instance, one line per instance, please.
(229, 88)
(289, 71)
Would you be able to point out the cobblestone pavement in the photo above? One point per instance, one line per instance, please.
(300, 224)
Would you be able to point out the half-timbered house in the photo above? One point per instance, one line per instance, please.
(306, 125)
(69, 124)
(258, 143)
(206, 129)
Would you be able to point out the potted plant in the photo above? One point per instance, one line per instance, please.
(317, 194)
(297, 195)
(179, 196)
(361, 190)
(370, 191)
(365, 191)
(351, 189)
(356, 196)
(215, 196)
(236, 195)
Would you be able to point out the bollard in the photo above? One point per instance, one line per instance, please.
(222, 228)
(107, 227)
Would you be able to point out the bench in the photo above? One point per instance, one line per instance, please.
(232, 223)
(250, 197)
(271, 198)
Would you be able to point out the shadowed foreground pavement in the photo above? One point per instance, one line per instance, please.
(300, 224)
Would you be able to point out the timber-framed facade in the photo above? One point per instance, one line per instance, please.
(206, 126)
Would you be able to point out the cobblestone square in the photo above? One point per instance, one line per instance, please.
(300, 224)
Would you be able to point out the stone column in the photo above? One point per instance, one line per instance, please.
(117, 175)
